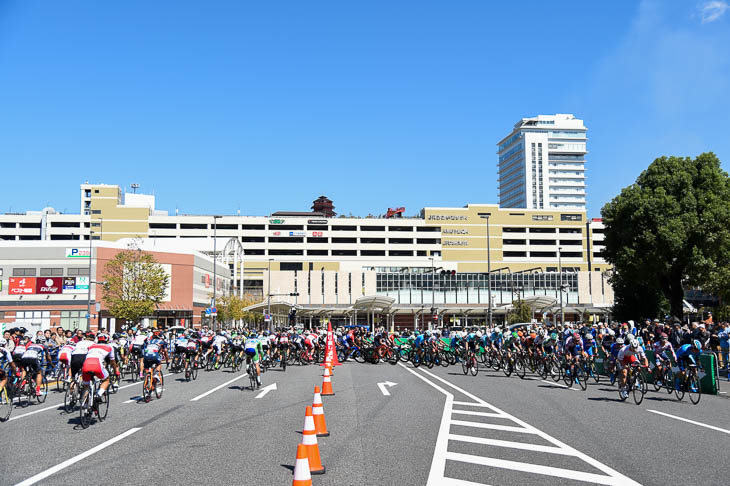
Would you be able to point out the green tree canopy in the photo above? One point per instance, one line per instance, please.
(521, 312)
(668, 230)
(134, 284)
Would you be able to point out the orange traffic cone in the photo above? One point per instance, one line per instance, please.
(309, 439)
(302, 477)
(327, 384)
(318, 414)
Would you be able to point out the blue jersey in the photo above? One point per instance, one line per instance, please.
(152, 349)
(686, 351)
(574, 349)
(615, 348)
(419, 340)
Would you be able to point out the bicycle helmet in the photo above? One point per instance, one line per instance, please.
(589, 337)
(634, 344)
(102, 338)
(479, 334)
(554, 336)
(533, 335)
(3, 342)
(543, 333)
(696, 344)
(640, 340)
(576, 335)
(89, 335)
(619, 340)
(611, 332)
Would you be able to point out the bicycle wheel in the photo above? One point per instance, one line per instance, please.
(188, 365)
(71, 396)
(679, 388)
(113, 382)
(85, 409)
(102, 406)
(594, 372)
(6, 404)
(638, 388)
(669, 380)
(520, 367)
(465, 366)
(159, 385)
(134, 370)
(61, 375)
(44, 390)
(695, 389)
(474, 367)
(657, 379)
(194, 365)
(581, 378)
(252, 377)
(147, 388)
(568, 377)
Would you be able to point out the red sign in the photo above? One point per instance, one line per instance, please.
(317, 234)
(21, 286)
(49, 285)
(207, 281)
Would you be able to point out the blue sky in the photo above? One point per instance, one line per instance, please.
(263, 106)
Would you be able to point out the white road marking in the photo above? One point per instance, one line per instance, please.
(383, 388)
(266, 390)
(477, 414)
(441, 454)
(559, 384)
(217, 388)
(691, 421)
(35, 412)
(134, 399)
(74, 460)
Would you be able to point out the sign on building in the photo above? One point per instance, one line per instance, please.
(49, 285)
(21, 285)
(77, 253)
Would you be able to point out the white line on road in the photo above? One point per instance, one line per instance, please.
(508, 443)
(35, 412)
(558, 384)
(217, 388)
(74, 460)
(691, 421)
(383, 386)
(266, 390)
(478, 414)
(505, 428)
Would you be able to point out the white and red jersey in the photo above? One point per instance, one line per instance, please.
(65, 353)
(100, 352)
(284, 339)
(139, 340)
(311, 339)
(82, 347)
(19, 350)
(626, 353)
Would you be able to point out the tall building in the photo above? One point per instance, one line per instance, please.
(542, 164)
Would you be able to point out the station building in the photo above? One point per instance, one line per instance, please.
(435, 265)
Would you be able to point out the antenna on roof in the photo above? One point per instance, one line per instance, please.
(135, 186)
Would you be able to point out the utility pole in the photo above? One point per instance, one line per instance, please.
(215, 260)
(560, 270)
(489, 267)
(88, 296)
(268, 291)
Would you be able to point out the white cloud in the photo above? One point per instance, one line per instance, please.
(713, 10)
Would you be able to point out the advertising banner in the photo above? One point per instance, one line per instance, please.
(69, 283)
(21, 286)
(82, 283)
(75, 285)
(49, 285)
(297, 233)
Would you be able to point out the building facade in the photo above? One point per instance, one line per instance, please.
(542, 164)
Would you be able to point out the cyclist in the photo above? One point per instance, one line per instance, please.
(31, 362)
(5, 357)
(629, 354)
(152, 353)
(574, 350)
(138, 344)
(93, 366)
(687, 354)
(64, 356)
(254, 350)
(662, 350)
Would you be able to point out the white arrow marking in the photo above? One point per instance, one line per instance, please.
(266, 390)
(383, 385)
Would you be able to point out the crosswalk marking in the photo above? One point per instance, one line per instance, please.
(437, 472)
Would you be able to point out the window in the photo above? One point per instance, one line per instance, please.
(344, 240)
(78, 271)
(542, 230)
(254, 252)
(23, 272)
(400, 253)
(317, 227)
(317, 252)
(514, 230)
(318, 240)
(428, 229)
(422, 253)
(96, 191)
(571, 217)
(571, 254)
(344, 252)
(290, 266)
(542, 217)
(514, 242)
(64, 237)
(64, 224)
(31, 237)
(597, 231)
(286, 252)
(193, 226)
(400, 228)
(400, 241)
(253, 226)
(30, 225)
(372, 228)
(51, 272)
(253, 239)
(226, 226)
(163, 226)
(285, 239)
(576, 231)
(276, 227)
(571, 242)
(372, 241)
(545, 254)
(542, 242)
(428, 241)
(372, 252)
(7, 225)
(514, 254)
(344, 228)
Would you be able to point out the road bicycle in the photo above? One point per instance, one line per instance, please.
(91, 404)
(251, 371)
(6, 403)
(469, 363)
(635, 384)
(153, 383)
(62, 373)
(191, 368)
(662, 377)
(71, 395)
(113, 380)
(690, 383)
(575, 373)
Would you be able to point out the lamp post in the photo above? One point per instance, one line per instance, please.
(268, 292)
(88, 293)
(489, 268)
(215, 273)
(560, 271)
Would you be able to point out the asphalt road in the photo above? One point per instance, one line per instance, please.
(435, 427)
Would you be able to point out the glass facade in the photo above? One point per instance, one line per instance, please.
(471, 288)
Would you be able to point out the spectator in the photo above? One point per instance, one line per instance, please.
(724, 338)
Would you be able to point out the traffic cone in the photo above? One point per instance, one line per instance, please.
(327, 384)
(309, 439)
(320, 424)
(302, 476)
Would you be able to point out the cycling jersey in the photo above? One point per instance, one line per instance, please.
(686, 355)
(94, 363)
(64, 355)
(151, 352)
(253, 349)
(663, 350)
(626, 355)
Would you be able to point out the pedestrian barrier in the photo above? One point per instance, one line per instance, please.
(320, 424)
(309, 439)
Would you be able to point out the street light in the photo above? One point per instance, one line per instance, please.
(560, 271)
(88, 296)
(489, 266)
(215, 250)
(268, 291)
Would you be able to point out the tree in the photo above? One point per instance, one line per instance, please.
(521, 312)
(134, 284)
(668, 230)
(230, 308)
